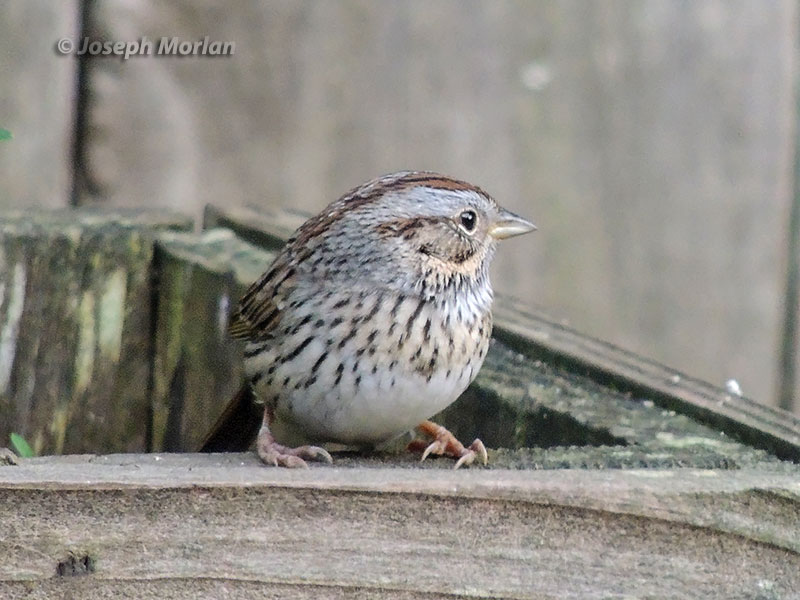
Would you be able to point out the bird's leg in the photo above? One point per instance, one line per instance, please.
(273, 453)
(445, 442)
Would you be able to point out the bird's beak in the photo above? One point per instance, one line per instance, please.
(507, 225)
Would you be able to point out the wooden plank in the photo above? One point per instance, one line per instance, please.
(756, 424)
(671, 228)
(197, 367)
(788, 384)
(265, 228)
(205, 520)
(75, 335)
(539, 336)
(661, 209)
(563, 419)
(38, 104)
(268, 228)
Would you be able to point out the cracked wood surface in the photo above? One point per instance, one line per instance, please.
(210, 525)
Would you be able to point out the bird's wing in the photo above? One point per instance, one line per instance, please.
(261, 308)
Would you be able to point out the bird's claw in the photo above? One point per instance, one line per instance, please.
(435, 447)
(475, 449)
(445, 442)
(277, 455)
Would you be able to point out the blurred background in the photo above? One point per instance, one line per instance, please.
(652, 142)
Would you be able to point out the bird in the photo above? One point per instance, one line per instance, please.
(373, 317)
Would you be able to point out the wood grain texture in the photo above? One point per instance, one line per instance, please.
(37, 104)
(227, 522)
(758, 425)
(75, 316)
(651, 144)
(197, 367)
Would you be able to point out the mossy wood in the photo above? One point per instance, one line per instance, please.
(75, 327)
(569, 400)
(608, 475)
(197, 367)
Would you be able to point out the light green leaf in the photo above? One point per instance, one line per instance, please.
(20, 446)
(5, 134)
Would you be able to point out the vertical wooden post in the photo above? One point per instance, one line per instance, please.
(787, 373)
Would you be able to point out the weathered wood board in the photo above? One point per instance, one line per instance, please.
(650, 143)
(571, 400)
(75, 327)
(595, 487)
(197, 367)
(753, 423)
(38, 103)
(189, 526)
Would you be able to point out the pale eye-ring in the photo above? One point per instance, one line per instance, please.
(468, 219)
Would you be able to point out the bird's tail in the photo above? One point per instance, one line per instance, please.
(237, 426)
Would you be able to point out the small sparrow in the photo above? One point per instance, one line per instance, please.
(375, 316)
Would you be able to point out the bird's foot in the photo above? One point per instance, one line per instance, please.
(275, 454)
(445, 442)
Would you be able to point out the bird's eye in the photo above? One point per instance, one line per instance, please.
(468, 218)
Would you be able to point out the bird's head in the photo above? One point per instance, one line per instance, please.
(410, 229)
